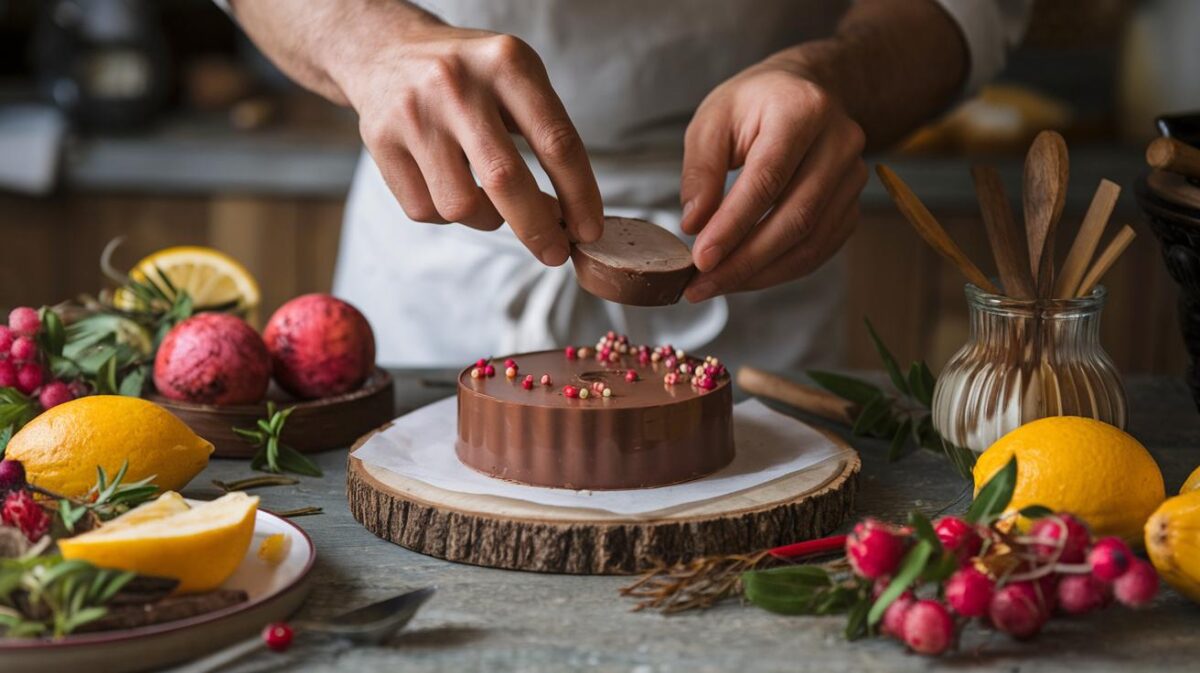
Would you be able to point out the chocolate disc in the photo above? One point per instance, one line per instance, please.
(635, 262)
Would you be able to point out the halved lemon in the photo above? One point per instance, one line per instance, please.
(200, 546)
(209, 276)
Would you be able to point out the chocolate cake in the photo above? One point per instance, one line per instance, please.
(614, 417)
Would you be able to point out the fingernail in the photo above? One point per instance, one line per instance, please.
(687, 208)
(556, 255)
(710, 257)
(700, 291)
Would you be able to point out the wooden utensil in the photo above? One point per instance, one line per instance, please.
(1172, 155)
(1046, 174)
(923, 221)
(1086, 239)
(1106, 259)
(1008, 249)
(815, 401)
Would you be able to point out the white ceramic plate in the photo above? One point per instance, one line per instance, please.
(275, 592)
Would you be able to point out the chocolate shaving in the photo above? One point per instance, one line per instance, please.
(166, 610)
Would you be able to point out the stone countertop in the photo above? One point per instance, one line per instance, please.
(200, 156)
(495, 620)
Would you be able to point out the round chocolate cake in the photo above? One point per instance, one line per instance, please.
(616, 416)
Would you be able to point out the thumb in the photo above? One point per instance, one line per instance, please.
(706, 151)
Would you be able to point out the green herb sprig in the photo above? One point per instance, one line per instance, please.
(44, 595)
(107, 499)
(273, 455)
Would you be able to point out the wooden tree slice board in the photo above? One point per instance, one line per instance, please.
(518, 535)
(315, 425)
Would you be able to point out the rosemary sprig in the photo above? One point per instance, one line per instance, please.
(47, 595)
(274, 455)
(107, 499)
(254, 482)
(300, 511)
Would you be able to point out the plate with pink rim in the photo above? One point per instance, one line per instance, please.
(275, 592)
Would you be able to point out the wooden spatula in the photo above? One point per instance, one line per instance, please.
(1046, 174)
(923, 221)
(1007, 246)
(1086, 239)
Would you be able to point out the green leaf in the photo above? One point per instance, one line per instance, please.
(995, 495)
(6, 434)
(910, 569)
(52, 336)
(941, 569)
(924, 530)
(106, 376)
(789, 590)
(846, 387)
(291, 460)
(134, 382)
(889, 362)
(900, 440)
(917, 384)
(1036, 511)
(856, 619)
(875, 410)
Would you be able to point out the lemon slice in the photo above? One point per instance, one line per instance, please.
(209, 276)
(167, 504)
(200, 546)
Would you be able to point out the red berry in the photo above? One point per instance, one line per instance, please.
(78, 389)
(278, 636)
(1138, 585)
(958, 536)
(1080, 594)
(481, 363)
(631, 376)
(23, 348)
(527, 383)
(54, 394)
(12, 475)
(29, 377)
(570, 351)
(1016, 610)
(6, 339)
(1048, 531)
(489, 370)
(509, 362)
(570, 391)
(21, 512)
(969, 592)
(874, 549)
(24, 321)
(928, 627)
(1110, 558)
(8, 374)
(893, 617)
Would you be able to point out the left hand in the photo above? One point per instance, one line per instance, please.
(796, 200)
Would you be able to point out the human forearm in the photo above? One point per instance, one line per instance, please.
(893, 64)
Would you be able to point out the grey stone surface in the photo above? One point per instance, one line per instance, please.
(493, 620)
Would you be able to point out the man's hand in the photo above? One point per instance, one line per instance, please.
(794, 203)
(436, 102)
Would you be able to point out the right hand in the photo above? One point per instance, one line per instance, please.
(435, 102)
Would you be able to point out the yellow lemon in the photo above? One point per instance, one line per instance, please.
(209, 276)
(1082, 466)
(1192, 483)
(62, 447)
(1173, 542)
(200, 546)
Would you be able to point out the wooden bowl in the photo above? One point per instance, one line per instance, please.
(315, 425)
(1172, 207)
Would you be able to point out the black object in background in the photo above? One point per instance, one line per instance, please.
(103, 62)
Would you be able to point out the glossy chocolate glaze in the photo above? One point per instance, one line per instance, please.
(635, 262)
(646, 434)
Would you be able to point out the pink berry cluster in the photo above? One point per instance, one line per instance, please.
(23, 366)
(19, 509)
(1013, 582)
(676, 365)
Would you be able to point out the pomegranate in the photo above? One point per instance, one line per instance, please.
(320, 346)
(213, 358)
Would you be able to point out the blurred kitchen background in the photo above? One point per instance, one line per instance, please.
(156, 120)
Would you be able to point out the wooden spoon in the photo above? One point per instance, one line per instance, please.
(1046, 173)
(1086, 239)
(1002, 233)
(1106, 259)
(923, 221)
(805, 398)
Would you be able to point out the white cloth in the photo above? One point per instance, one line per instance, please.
(631, 73)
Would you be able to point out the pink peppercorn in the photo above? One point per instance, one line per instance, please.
(545, 379)
(489, 371)
(509, 362)
(571, 353)
(631, 376)
(570, 391)
(481, 363)
(707, 383)
(527, 383)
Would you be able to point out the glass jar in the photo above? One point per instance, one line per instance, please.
(1025, 360)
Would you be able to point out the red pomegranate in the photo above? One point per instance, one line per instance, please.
(213, 358)
(320, 346)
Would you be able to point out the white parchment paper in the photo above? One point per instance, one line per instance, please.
(770, 445)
